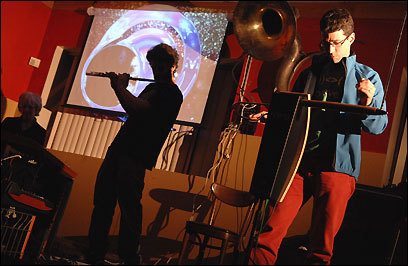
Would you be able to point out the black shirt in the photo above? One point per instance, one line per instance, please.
(35, 132)
(320, 150)
(143, 134)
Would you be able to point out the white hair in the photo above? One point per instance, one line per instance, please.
(29, 98)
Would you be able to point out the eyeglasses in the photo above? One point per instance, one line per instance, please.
(327, 44)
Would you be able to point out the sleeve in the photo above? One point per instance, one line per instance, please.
(376, 124)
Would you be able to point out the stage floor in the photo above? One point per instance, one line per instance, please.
(154, 251)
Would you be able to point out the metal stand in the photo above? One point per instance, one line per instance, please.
(253, 239)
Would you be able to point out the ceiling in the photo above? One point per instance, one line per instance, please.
(359, 9)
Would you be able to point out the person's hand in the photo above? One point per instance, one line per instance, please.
(365, 91)
(118, 80)
(257, 117)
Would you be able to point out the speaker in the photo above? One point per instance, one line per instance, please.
(374, 228)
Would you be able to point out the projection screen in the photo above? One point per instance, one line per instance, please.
(119, 40)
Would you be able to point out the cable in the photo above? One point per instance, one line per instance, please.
(166, 150)
(223, 148)
(172, 140)
(226, 140)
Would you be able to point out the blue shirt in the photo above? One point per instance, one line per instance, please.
(347, 157)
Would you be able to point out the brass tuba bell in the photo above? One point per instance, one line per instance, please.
(267, 32)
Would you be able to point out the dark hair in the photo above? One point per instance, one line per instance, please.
(163, 53)
(335, 20)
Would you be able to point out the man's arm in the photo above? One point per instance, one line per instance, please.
(371, 94)
(130, 103)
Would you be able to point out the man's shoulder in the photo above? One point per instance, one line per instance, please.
(359, 67)
(364, 68)
(39, 127)
(173, 89)
(178, 91)
(10, 120)
(162, 93)
(160, 87)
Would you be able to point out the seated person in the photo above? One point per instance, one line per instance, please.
(29, 105)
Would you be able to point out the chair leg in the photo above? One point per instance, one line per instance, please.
(236, 254)
(203, 245)
(223, 250)
(183, 249)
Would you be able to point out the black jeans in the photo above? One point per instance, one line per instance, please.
(120, 179)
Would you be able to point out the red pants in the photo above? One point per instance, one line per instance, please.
(331, 192)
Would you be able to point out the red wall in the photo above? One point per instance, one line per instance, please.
(376, 41)
(380, 37)
(30, 28)
(65, 28)
(23, 25)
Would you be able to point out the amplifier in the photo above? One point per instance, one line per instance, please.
(373, 229)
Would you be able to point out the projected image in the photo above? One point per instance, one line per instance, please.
(119, 40)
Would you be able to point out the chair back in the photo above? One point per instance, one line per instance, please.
(235, 198)
(205, 232)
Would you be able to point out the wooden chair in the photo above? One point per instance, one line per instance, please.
(196, 230)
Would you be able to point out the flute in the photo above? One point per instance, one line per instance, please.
(105, 75)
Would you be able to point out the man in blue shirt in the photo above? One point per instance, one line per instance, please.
(330, 164)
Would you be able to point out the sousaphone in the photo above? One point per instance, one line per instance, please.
(267, 32)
